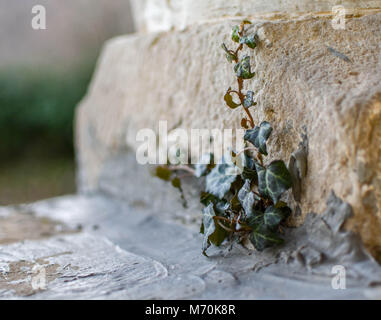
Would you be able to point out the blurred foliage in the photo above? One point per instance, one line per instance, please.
(37, 109)
(31, 178)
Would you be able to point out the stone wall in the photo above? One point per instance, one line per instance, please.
(164, 15)
(311, 78)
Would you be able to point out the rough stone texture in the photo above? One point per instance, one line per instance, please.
(18, 227)
(125, 252)
(163, 15)
(304, 83)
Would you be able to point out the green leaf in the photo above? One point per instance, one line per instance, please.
(235, 204)
(207, 198)
(220, 206)
(247, 198)
(220, 179)
(176, 183)
(248, 171)
(249, 162)
(235, 34)
(243, 70)
(244, 123)
(250, 174)
(248, 100)
(162, 172)
(213, 233)
(254, 219)
(258, 136)
(273, 180)
(262, 237)
(274, 216)
(229, 55)
(229, 100)
(204, 165)
(249, 41)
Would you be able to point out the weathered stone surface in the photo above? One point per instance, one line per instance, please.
(124, 252)
(304, 84)
(15, 226)
(163, 15)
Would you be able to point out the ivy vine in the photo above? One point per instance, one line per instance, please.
(247, 206)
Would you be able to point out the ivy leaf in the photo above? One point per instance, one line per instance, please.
(274, 216)
(250, 174)
(248, 100)
(220, 179)
(207, 198)
(262, 237)
(176, 183)
(229, 100)
(163, 172)
(249, 162)
(247, 198)
(235, 204)
(243, 69)
(200, 169)
(254, 219)
(249, 169)
(229, 55)
(235, 34)
(220, 206)
(258, 136)
(204, 165)
(213, 233)
(244, 123)
(209, 226)
(249, 41)
(273, 180)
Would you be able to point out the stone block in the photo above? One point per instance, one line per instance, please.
(311, 78)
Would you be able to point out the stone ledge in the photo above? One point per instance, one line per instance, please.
(136, 254)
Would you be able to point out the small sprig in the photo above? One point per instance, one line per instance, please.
(244, 206)
(242, 70)
(248, 205)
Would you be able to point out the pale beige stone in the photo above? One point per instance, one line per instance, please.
(181, 77)
(163, 15)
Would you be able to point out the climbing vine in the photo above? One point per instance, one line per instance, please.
(247, 206)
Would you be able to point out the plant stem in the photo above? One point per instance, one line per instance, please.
(240, 83)
(224, 227)
(246, 149)
(238, 49)
(182, 167)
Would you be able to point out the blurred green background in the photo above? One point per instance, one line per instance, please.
(36, 130)
(43, 76)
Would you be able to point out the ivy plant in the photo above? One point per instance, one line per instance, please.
(246, 206)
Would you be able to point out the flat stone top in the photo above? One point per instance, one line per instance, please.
(121, 252)
(163, 15)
